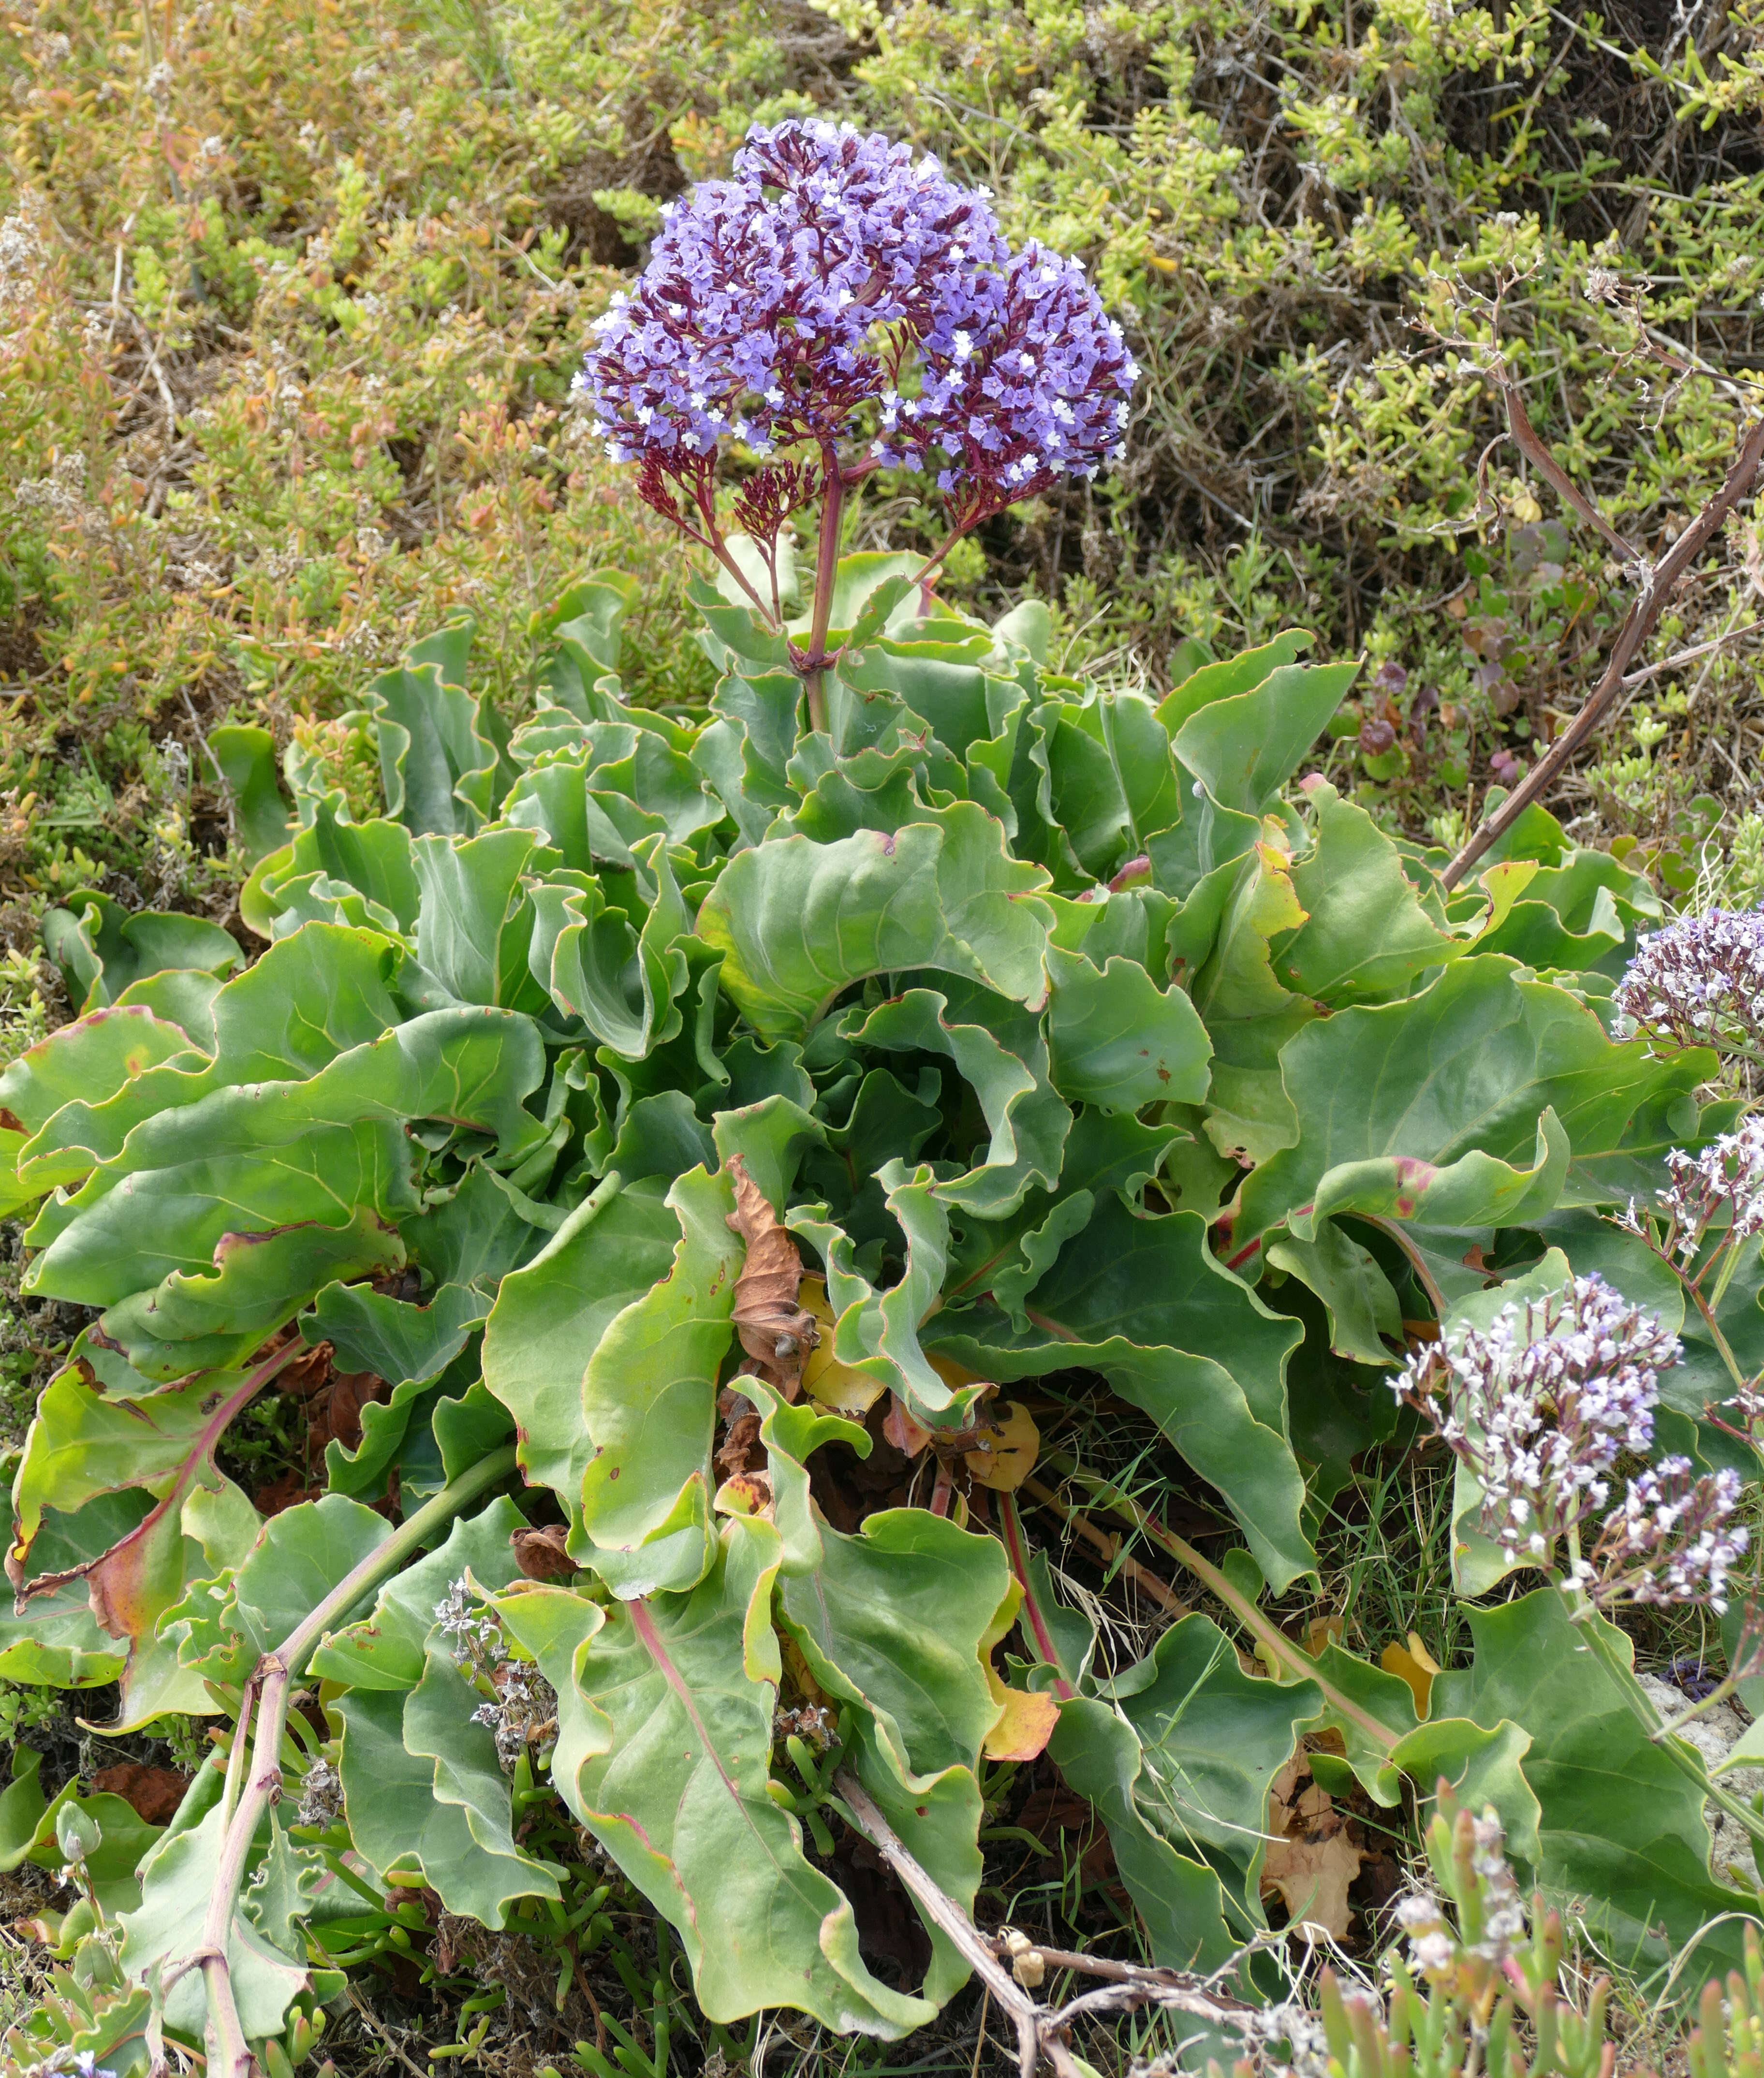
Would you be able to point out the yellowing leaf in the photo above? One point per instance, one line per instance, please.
(1414, 1663)
(1003, 1455)
(830, 1384)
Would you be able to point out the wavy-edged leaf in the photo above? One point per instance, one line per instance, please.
(1214, 1738)
(649, 1395)
(1469, 1067)
(1245, 747)
(550, 1316)
(664, 1724)
(1144, 1301)
(300, 1555)
(1366, 935)
(261, 818)
(1619, 1829)
(101, 948)
(263, 1957)
(433, 1820)
(311, 997)
(1120, 1040)
(998, 1050)
(386, 1648)
(798, 922)
(1180, 1899)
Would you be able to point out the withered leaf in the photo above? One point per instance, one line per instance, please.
(1312, 1859)
(155, 1793)
(540, 1552)
(775, 1331)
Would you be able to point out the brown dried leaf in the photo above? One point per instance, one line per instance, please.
(155, 1793)
(775, 1331)
(540, 1552)
(1312, 1859)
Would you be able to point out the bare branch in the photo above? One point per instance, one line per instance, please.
(1656, 589)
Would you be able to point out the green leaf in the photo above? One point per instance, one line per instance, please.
(1245, 747)
(437, 749)
(474, 923)
(798, 922)
(1231, 677)
(386, 1648)
(246, 757)
(998, 1050)
(550, 1317)
(300, 1555)
(310, 999)
(101, 948)
(665, 1733)
(1118, 1041)
(177, 1880)
(83, 1445)
(650, 1397)
(1468, 1068)
(1361, 1302)
(1145, 1302)
(1620, 1830)
(1212, 1739)
(1179, 1898)
(428, 1819)
(1366, 935)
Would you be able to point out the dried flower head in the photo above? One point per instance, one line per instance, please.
(473, 1633)
(321, 1795)
(1540, 1405)
(524, 1712)
(1700, 982)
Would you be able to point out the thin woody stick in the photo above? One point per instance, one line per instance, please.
(1657, 582)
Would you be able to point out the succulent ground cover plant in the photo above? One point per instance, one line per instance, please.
(728, 1162)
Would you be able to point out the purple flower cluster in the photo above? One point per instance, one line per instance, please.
(1700, 982)
(1729, 1173)
(833, 271)
(1540, 1405)
(1027, 383)
(1670, 1539)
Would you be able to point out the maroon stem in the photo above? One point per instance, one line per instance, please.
(826, 571)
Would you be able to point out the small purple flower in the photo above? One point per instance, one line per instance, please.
(1540, 1405)
(836, 279)
(1700, 982)
(1670, 1540)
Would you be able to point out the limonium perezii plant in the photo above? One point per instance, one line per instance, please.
(838, 306)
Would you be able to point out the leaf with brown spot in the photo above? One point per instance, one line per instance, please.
(775, 1331)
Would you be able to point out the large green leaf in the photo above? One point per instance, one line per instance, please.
(998, 1050)
(1621, 1831)
(649, 1394)
(1245, 747)
(798, 922)
(665, 1731)
(1144, 1301)
(550, 1316)
(1120, 1040)
(1214, 1738)
(1468, 1068)
(1366, 935)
